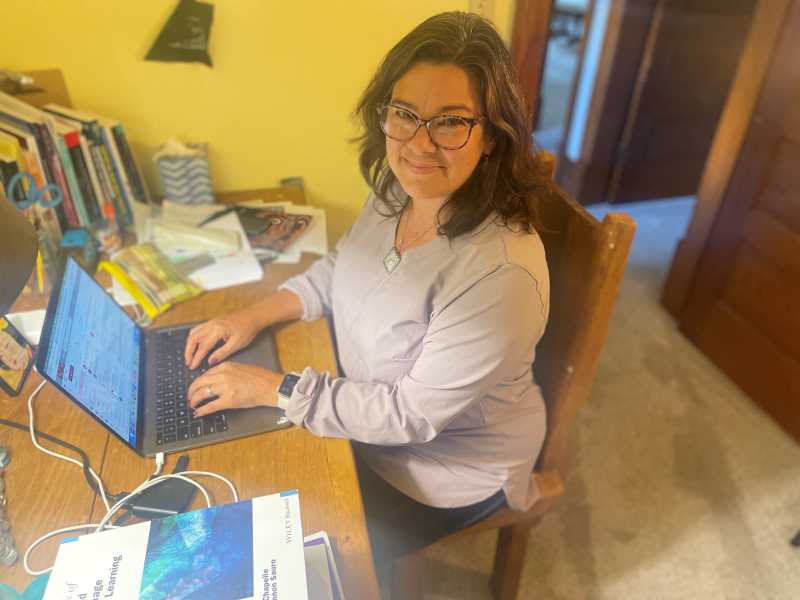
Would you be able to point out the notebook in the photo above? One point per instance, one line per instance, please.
(132, 380)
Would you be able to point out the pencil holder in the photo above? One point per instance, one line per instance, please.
(184, 172)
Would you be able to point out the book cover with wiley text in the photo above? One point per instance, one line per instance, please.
(251, 549)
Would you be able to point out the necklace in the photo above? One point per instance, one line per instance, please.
(393, 257)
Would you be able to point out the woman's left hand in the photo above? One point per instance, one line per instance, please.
(233, 385)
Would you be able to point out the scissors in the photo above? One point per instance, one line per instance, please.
(33, 194)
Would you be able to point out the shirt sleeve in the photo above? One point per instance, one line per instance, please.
(481, 338)
(314, 285)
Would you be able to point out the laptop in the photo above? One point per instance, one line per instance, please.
(132, 380)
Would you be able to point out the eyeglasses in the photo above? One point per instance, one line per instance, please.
(449, 132)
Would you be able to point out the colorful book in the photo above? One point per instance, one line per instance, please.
(123, 154)
(40, 124)
(101, 151)
(246, 550)
(15, 158)
(90, 205)
(75, 188)
(44, 219)
(89, 138)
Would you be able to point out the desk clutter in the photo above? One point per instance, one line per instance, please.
(247, 549)
(67, 169)
(74, 174)
(212, 246)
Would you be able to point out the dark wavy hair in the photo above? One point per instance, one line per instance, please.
(512, 179)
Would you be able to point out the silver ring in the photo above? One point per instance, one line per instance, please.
(210, 391)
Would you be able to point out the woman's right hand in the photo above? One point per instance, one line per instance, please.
(235, 330)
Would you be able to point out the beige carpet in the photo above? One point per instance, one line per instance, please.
(681, 487)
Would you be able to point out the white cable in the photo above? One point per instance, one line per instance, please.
(45, 537)
(144, 486)
(104, 523)
(181, 476)
(232, 488)
(56, 454)
(110, 510)
(159, 465)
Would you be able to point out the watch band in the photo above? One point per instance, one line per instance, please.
(286, 388)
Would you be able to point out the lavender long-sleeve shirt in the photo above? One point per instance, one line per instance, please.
(436, 359)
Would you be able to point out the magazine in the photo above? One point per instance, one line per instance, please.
(249, 549)
(272, 231)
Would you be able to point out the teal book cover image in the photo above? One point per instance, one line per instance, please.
(245, 550)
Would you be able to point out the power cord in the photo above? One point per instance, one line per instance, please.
(96, 477)
(85, 462)
(154, 479)
(120, 504)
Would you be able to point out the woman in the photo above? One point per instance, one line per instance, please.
(438, 293)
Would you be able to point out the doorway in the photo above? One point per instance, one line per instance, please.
(562, 59)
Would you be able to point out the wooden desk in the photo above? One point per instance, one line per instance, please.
(45, 493)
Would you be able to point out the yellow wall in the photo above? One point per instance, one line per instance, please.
(277, 102)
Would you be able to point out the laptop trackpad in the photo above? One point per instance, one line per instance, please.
(261, 352)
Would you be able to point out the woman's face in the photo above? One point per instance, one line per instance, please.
(11, 353)
(425, 171)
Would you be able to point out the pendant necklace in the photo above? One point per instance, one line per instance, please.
(393, 257)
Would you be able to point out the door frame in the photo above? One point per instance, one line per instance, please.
(529, 35)
(761, 43)
(587, 178)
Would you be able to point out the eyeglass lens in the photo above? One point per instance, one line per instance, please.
(449, 132)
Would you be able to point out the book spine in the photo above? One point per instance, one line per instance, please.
(99, 194)
(71, 178)
(83, 178)
(57, 171)
(102, 175)
(91, 167)
(115, 169)
(113, 184)
(39, 150)
(46, 218)
(131, 166)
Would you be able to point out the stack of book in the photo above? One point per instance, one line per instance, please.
(250, 549)
(88, 157)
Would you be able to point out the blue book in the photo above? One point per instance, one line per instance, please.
(246, 550)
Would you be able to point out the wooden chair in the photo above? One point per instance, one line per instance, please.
(586, 259)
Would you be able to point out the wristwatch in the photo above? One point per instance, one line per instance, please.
(286, 388)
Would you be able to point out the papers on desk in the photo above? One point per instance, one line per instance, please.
(235, 268)
(218, 254)
(176, 233)
(250, 549)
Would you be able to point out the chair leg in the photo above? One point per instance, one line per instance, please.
(408, 576)
(512, 542)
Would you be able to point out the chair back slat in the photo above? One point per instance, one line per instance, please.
(586, 259)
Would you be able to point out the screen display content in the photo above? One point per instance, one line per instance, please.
(94, 352)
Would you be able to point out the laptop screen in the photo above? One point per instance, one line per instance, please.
(94, 352)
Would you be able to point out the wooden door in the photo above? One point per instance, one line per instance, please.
(529, 47)
(742, 307)
(690, 58)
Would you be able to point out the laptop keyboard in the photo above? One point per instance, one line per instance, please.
(175, 420)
